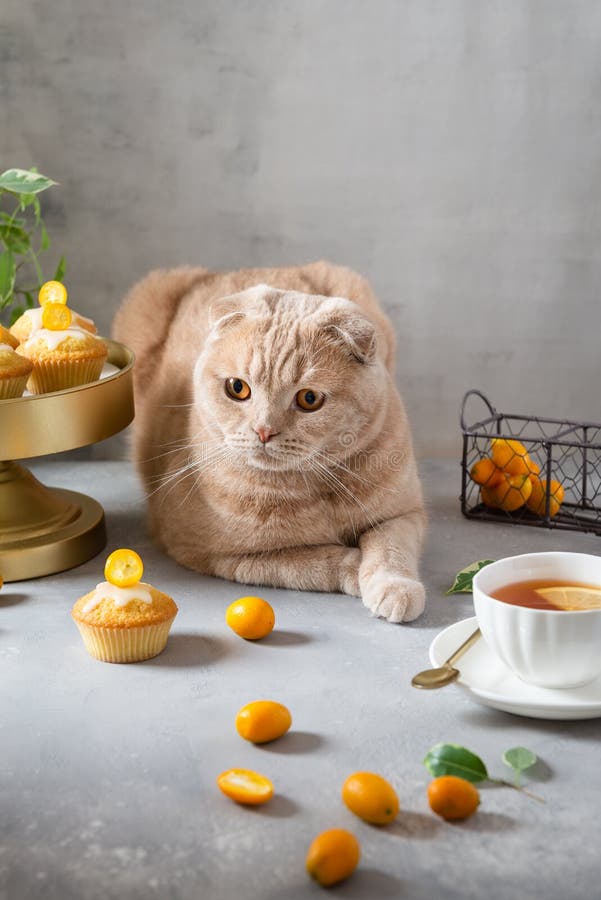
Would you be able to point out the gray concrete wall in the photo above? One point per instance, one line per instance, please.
(449, 150)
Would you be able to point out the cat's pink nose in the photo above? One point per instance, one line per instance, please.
(265, 434)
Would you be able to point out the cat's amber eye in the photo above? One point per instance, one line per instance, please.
(309, 400)
(237, 389)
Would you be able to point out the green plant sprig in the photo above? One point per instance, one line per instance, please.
(463, 580)
(23, 238)
(452, 759)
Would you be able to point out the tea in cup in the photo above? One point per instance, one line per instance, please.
(541, 614)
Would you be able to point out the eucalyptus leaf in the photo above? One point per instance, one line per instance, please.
(463, 579)
(23, 181)
(519, 758)
(452, 759)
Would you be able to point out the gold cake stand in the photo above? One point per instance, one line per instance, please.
(45, 530)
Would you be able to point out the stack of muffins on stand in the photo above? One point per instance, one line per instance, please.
(14, 369)
(49, 349)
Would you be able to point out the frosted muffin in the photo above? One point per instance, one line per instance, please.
(31, 321)
(7, 338)
(63, 358)
(14, 372)
(124, 623)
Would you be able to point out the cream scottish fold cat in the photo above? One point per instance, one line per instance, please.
(269, 433)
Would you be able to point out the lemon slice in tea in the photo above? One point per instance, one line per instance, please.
(572, 597)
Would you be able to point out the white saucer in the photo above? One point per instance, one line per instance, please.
(488, 681)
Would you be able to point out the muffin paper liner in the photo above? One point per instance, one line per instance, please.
(125, 645)
(57, 375)
(12, 387)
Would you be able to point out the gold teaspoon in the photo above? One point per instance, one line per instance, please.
(436, 678)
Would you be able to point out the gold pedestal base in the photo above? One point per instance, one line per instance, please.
(44, 530)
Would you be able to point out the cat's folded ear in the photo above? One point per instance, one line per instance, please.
(228, 310)
(225, 312)
(346, 324)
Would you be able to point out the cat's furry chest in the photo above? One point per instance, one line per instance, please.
(265, 518)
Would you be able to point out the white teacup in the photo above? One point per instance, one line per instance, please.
(553, 649)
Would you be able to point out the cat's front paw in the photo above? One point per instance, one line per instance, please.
(392, 596)
(349, 572)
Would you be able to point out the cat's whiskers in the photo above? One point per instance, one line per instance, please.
(195, 466)
(180, 449)
(323, 474)
(189, 445)
(373, 523)
(193, 458)
(176, 405)
(177, 444)
(235, 441)
(276, 452)
(166, 479)
(340, 464)
(336, 463)
(172, 473)
(201, 471)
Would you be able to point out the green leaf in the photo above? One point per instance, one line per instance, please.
(13, 235)
(26, 200)
(7, 276)
(60, 269)
(23, 181)
(452, 759)
(29, 299)
(6, 219)
(34, 260)
(519, 758)
(463, 579)
(45, 240)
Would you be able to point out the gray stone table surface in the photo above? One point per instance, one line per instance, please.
(107, 786)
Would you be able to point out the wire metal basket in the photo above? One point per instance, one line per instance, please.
(566, 452)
